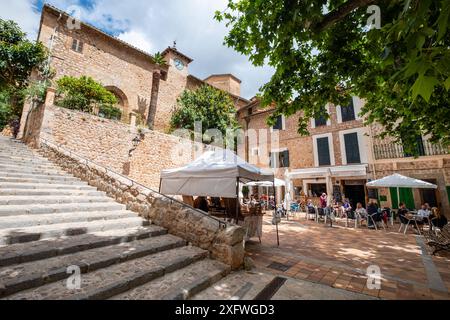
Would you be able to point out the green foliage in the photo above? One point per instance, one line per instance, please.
(110, 112)
(84, 94)
(18, 56)
(210, 106)
(245, 191)
(402, 70)
(159, 59)
(5, 109)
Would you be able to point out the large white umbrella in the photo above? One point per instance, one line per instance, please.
(399, 181)
(278, 183)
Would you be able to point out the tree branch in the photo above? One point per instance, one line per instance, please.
(340, 13)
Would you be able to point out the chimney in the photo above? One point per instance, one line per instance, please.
(226, 82)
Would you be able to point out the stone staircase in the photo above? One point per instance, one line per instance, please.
(50, 221)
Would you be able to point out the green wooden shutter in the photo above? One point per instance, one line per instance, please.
(407, 197)
(352, 148)
(394, 198)
(323, 150)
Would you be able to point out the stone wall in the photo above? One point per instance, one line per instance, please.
(34, 115)
(108, 143)
(223, 241)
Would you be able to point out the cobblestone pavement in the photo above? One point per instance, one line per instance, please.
(339, 257)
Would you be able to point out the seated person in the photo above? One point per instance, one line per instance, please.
(402, 211)
(201, 203)
(424, 213)
(310, 206)
(215, 201)
(372, 210)
(437, 219)
(360, 211)
(346, 209)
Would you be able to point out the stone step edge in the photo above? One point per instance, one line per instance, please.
(73, 246)
(51, 276)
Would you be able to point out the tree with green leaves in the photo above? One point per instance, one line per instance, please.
(87, 95)
(328, 50)
(18, 58)
(208, 105)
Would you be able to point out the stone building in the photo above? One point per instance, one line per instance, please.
(142, 87)
(340, 156)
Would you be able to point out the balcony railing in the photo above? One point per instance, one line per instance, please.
(394, 151)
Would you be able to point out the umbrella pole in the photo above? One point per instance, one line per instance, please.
(237, 200)
(398, 198)
(276, 220)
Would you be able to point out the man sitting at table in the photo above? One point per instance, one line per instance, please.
(424, 213)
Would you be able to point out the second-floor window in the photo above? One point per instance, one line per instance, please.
(348, 112)
(77, 46)
(279, 124)
(279, 159)
(323, 151)
(352, 148)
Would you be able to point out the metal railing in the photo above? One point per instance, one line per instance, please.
(222, 224)
(394, 150)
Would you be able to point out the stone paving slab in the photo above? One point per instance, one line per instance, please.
(338, 257)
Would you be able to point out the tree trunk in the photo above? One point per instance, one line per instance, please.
(154, 99)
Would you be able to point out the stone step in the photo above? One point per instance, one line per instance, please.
(42, 180)
(34, 233)
(23, 221)
(52, 247)
(31, 170)
(22, 175)
(23, 161)
(44, 200)
(241, 285)
(15, 210)
(45, 186)
(104, 278)
(48, 192)
(181, 284)
(28, 168)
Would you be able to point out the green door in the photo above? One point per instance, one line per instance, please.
(406, 196)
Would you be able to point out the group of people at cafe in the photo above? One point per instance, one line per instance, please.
(374, 214)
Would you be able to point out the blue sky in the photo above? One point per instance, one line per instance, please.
(152, 25)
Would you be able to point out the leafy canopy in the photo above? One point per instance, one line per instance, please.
(323, 51)
(85, 94)
(18, 56)
(210, 106)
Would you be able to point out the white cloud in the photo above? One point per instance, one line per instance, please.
(24, 13)
(137, 39)
(154, 25)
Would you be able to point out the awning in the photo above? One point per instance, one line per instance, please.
(357, 170)
(214, 173)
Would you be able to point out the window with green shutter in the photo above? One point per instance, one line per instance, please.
(323, 151)
(352, 148)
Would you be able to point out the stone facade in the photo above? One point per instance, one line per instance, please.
(129, 73)
(223, 241)
(261, 140)
(381, 157)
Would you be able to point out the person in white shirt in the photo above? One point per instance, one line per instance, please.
(424, 213)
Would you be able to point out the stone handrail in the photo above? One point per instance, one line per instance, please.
(224, 241)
